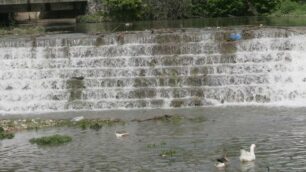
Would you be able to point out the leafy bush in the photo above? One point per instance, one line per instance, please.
(264, 6)
(225, 8)
(92, 18)
(125, 10)
(217, 8)
(199, 8)
(168, 9)
(290, 7)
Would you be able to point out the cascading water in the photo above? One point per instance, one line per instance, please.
(152, 69)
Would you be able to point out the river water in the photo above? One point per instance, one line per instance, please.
(279, 134)
(151, 71)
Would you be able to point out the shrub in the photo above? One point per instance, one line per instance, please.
(125, 10)
(287, 6)
(290, 7)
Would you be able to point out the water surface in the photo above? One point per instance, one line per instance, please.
(279, 134)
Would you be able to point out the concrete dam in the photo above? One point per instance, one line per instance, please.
(166, 68)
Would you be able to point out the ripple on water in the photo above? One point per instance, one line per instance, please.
(280, 146)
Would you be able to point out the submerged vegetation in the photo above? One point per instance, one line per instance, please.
(51, 140)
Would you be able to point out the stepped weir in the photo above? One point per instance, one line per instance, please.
(152, 69)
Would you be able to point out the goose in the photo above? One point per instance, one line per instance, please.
(120, 134)
(222, 162)
(246, 156)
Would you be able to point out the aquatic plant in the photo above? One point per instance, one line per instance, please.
(96, 124)
(5, 135)
(51, 140)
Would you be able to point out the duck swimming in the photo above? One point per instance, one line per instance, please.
(222, 162)
(246, 156)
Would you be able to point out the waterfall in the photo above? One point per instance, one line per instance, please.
(152, 69)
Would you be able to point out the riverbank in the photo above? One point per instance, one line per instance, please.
(18, 122)
(20, 31)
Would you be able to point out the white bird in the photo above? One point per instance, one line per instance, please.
(222, 162)
(78, 118)
(246, 156)
(120, 134)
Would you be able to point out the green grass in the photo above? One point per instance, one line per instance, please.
(53, 140)
(22, 30)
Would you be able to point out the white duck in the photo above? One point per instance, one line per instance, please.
(246, 156)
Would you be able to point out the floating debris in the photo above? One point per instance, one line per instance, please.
(235, 36)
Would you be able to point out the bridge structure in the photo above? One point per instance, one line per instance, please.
(46, 8)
